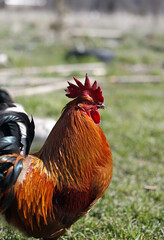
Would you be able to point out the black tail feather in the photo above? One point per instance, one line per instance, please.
(9, 144)
(30, 136)
(5, 100)
(12, 176)
(12, 139)
(8, 180)
(1, 176)
(7, 202)
(16, 136)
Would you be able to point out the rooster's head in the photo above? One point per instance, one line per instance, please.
(89, 97)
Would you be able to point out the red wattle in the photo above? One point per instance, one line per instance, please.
(95, 115)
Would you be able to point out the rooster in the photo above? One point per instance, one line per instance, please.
(44, 193)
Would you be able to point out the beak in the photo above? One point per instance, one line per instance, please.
(102, 106)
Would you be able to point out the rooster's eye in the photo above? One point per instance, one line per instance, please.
(87, 103)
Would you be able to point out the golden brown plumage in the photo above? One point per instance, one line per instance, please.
(60, 183)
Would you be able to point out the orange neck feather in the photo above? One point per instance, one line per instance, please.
(74, 149)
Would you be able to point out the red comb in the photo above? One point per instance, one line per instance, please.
(87, 89)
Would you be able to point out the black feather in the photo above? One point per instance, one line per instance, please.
(7, 158)
(4, 106)
(13, 175)
(17, 170)
(30, 136)
(7, 181)
(1, 176)
(7, 202)
(5, 97)
(12, 159)
(16, 136)
(9, 145)
(9, 127)
(5, 166)
(5, 100)
(3, 158)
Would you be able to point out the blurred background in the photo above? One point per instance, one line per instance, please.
(120, 43)
(108, 38)
(37, 33)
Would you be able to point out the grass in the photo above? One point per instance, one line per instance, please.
(133, 123)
